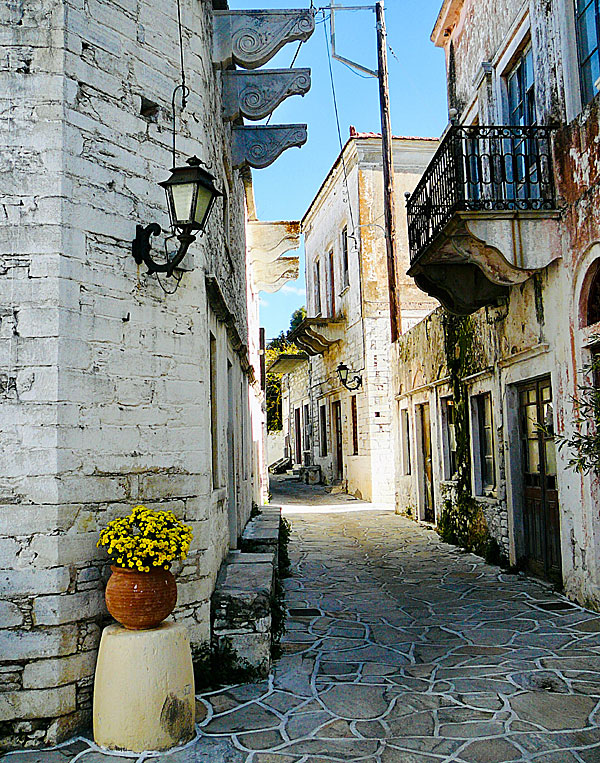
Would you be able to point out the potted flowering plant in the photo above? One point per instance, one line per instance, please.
(142, 591)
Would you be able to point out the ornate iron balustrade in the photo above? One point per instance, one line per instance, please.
(481, 168)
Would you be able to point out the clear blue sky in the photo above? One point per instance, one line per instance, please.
(284, 190)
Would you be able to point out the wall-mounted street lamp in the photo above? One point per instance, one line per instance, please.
(191, 194)
(344, 372)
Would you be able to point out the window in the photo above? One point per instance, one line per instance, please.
(405, 441)
(449, 430)
(306, 427)
(484, 457)
(345, 275)
(521, 91)
(317, 288)
(331, 287)
(214, 418)
(323, 430)
(593, 299)
(587, 20)
(354, 414)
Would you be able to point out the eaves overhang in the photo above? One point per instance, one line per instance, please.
(445, 22)
(287, 362)
(316, 335)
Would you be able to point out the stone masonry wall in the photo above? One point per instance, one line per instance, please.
(104, 388)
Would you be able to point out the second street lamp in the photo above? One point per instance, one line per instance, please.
(344, 372)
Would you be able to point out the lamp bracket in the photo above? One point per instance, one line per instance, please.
(141, 248)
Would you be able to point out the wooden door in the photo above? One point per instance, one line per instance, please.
(297, 436)
(427, 475)
(338, 466)
(541, 515)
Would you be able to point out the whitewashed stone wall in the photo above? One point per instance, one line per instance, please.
(104, 388)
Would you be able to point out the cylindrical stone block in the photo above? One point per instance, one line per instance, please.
(144, 689)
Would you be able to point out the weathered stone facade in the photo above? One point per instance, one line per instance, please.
(543, 332)
(105, 387)
(350, 308)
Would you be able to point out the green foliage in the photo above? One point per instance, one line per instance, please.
(276, 347)
(584, 443)
(459, 351)
(297, 317)
(462, 521)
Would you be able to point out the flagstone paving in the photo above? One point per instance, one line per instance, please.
(402, 649)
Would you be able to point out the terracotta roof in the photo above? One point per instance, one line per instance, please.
(355, 134)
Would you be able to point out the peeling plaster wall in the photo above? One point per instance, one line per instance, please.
(483, 32)
(542, 330)
(104, 388)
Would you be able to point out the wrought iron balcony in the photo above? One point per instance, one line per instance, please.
(479, 204)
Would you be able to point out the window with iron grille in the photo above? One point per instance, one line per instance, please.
(449, 430)
(484, 458)
(587, 21)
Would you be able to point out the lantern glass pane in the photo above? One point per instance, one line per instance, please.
(202, 204)
(183, 196)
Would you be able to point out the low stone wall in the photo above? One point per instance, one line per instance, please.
(241, 611)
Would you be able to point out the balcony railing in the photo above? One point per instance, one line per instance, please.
(481, 168)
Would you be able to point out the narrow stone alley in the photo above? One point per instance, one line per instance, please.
(401, 649)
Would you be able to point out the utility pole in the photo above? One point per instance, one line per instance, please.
(388, 168)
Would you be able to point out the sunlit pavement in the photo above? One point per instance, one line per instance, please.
(400, 648)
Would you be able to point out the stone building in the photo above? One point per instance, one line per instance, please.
(118, 387)
(504, 230)
(346, 431)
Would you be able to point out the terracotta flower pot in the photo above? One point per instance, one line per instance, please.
(140, 600)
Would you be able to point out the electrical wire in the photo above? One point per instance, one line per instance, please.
(339, 130)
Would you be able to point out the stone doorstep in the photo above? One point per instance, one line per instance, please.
(249, 579)
(241, 557)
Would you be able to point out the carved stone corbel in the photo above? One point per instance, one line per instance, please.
(255, 95)
(251, 38)
(258, 147)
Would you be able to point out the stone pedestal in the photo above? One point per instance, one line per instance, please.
(144, 689)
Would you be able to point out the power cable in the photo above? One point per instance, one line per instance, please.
(339, 130)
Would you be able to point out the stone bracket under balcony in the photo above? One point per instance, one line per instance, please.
(316, 335)
(478, 256)
(267, 243)
(251, 38)
(258, 147)
(255, 95)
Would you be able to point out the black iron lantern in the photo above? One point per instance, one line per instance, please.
(191, 193)
(344, 372)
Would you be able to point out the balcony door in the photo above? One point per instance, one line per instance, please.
(541, 515)
(521, 162)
